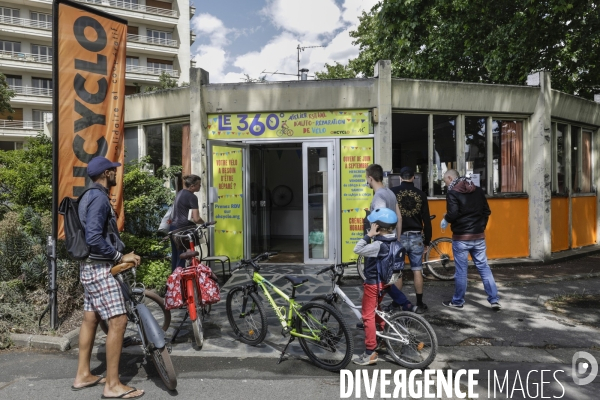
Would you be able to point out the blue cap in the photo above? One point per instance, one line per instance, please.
(98, 165)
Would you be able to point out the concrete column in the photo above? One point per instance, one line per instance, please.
(383, 130)
(539, 171)
(596, 177)
(198, 134)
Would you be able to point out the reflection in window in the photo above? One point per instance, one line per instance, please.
(560, 157)
(131, 144)
(154, 145)
(586, 161)
(575, 159)
(475, 150)
(507, 156)
(444, 150)
(175, 136)
(409, 146)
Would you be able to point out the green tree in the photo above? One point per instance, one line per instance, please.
(336, 71)
(499, 41)
(5, 95)
(165, 81)
(26, 176)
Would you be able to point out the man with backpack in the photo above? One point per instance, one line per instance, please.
(103, 298)
(384, 261)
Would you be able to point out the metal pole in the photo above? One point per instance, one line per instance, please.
(298, 62)
(53, 299)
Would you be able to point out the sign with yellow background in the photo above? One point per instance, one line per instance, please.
(289, 125)
(356, 156)
(228, 210)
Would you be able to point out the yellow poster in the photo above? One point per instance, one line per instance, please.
(289, 125)
(356, 156)
(228, 210)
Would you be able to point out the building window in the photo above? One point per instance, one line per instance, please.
(45, 20)
(7, 14)
(507, 151)
(476, 150)
(558, 163)
(160, 65)
(14, 80)
(581, 160)
(409, 146)
(175, 140)
(154, 145)
(10, 47)
(42, 83)
(44, 53)
(131, 144)
(444, 150)
(158, 36)
(42, 116)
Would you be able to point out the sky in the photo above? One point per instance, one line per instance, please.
(237, 37)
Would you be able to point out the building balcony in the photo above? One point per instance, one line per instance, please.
(24, 27)
(192, 37)
(31, 95)
(152, 45)
(17, 61)
(137, 12)
(19, 129)
(192, 11)
(135, 73)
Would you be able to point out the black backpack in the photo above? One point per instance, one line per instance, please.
(77, 247)
(390, 263)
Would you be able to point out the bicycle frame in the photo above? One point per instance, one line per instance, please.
(286, 321)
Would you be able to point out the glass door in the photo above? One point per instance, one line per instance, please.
(260, 202)
(228, 205)
(319, 202)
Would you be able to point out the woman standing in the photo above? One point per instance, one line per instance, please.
(185, 201)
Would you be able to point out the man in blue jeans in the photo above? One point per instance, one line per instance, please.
(467, 211)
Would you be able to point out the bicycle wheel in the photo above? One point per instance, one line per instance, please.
(334, 347)
(249, 326)
(327, 300)
(197, 323)
(440, 260)
(422, 341)
(162, 361)
(155, 304)
(360, 267)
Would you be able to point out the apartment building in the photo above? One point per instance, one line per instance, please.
(158, 40)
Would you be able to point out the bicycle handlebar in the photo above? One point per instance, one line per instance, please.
(252, 262)
(333, 266)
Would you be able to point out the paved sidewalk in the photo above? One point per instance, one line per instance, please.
(524, 331)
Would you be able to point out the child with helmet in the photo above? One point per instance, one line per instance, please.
(377, 243)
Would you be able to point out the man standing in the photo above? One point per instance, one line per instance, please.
(416, 227)
(467, 211)
(103, 298)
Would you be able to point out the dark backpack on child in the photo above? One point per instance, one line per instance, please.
(77, 247)
(390, 263)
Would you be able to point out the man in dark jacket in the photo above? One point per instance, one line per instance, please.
(103, 298)
(416, 227)
(467, 211)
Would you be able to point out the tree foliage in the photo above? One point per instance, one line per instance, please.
(5, 95)
(336, 71)
(500, 41)
(165, 81)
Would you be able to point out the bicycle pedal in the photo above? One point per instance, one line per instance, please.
(169, 348)
(285, 331)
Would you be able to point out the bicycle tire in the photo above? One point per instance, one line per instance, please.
(279, 132)
(423, 344)
(335, 346)
(247, 328)
(156, 305)
(327, 300)
(440, 259)
(197, 323)
(164, 366)
(360, 267)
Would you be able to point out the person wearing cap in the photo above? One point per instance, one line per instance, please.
(416, 227)
(103, 298)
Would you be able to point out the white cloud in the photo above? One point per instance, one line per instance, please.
(277, 55)
(211, 26)
(354, 8)
(213, 59)
(304, 17)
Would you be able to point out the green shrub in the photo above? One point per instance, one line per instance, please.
(154, 273)
(149, 247)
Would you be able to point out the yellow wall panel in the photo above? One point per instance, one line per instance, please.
(560, 223)
(583, 230)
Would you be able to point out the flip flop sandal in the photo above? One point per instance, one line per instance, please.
(122, 396)
(95, 383)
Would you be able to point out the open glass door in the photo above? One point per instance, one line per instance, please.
(319, 202)
(228, 181)
(260, 202)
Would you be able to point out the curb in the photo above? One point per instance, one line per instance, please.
(44, 342)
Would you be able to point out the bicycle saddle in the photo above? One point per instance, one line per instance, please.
(188, 255)
(295, 280)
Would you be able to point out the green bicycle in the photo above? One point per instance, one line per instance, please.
(322, 332)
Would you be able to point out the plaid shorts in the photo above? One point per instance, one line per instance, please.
(102, 292)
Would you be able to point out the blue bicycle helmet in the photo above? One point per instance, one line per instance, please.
(384, 217)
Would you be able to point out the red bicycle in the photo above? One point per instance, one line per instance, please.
(187, 238)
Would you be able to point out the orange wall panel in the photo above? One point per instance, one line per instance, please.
(583, 230)
(560, 223)
(507, 233)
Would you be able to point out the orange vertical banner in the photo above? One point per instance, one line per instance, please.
(89, 104)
